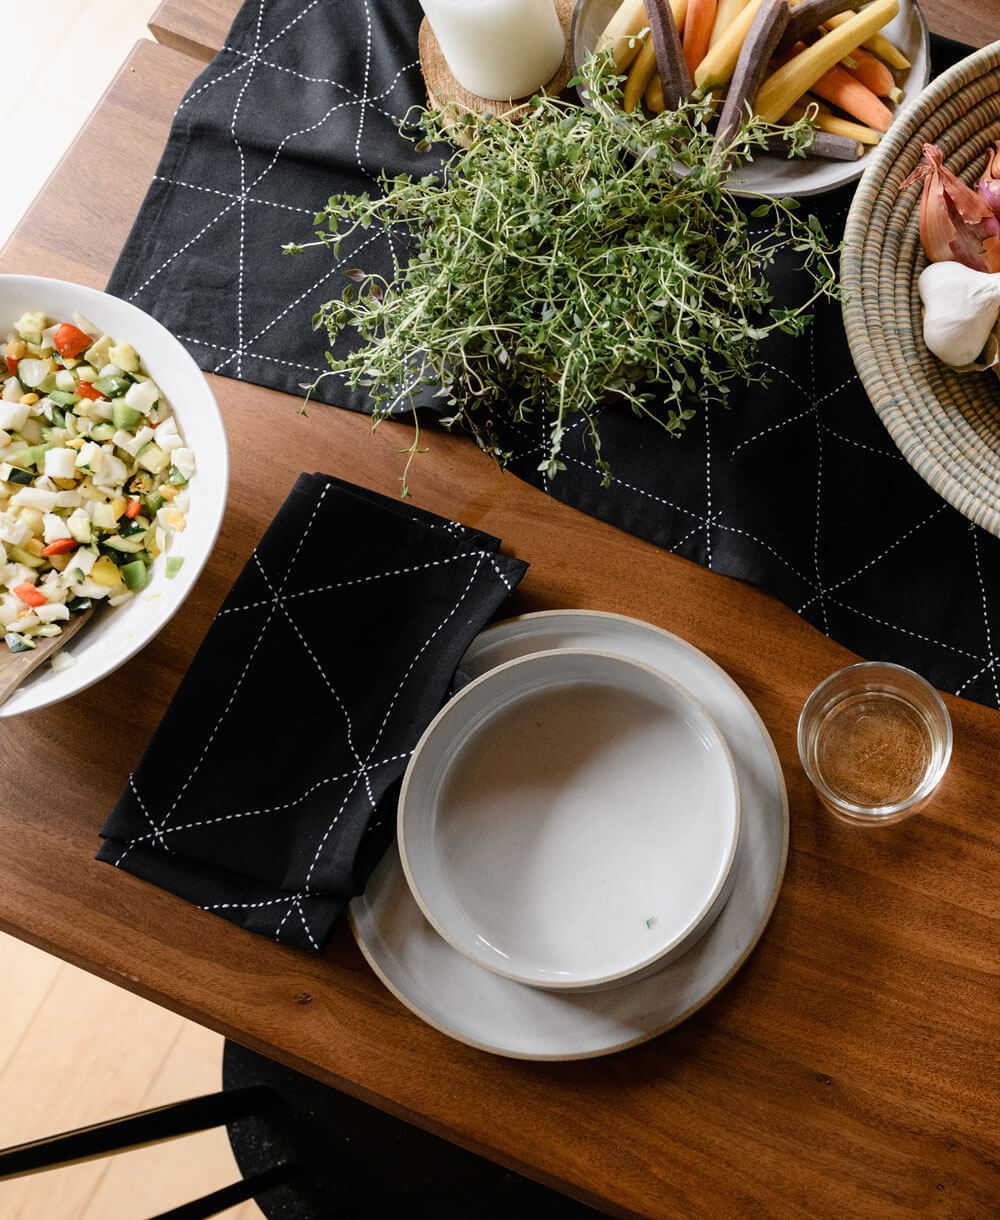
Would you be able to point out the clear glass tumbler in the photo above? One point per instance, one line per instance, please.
(875, 740)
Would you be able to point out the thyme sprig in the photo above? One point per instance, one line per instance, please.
(551, 270)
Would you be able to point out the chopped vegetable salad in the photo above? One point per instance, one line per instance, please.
(93, 475)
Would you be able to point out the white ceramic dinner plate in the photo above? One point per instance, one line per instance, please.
(570, 818)
(118, 633)
(485, 1010)
(775, 176)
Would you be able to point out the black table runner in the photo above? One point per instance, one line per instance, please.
(795, 487)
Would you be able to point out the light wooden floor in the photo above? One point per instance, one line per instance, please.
(67, 52)
(76, 1050)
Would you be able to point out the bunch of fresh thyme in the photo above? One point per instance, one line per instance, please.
(551, 270)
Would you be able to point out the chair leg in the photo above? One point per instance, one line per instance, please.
(229, 1196)
(133, 1130)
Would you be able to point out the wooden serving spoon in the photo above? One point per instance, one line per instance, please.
(15, 666)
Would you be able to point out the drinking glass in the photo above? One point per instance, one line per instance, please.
(875, 740)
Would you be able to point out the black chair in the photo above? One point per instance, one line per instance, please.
(309, 1152)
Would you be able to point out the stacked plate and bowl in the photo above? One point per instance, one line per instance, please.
(591, 837)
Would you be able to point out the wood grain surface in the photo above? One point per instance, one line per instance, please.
(849, 1070)
(200, 29)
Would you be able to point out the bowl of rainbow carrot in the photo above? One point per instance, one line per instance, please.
(850, 67)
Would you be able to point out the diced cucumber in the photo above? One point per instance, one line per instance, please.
(134, 575)
(79, 604)
(98, 353)
(131, 546)
(124, 416)
(20, 555)
(177, 477)
(35, 454)
(153, 503)
(112, 387)
(14, 474)
(102, 431)
(43, 631)
(32, 373)
(153, 458)
(17, 643)
(63, 397)
(174, 565)
(30, 326)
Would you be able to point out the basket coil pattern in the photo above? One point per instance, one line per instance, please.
(946, 424)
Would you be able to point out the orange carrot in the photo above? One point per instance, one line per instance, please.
(30, 595)
(698, 30)
(873, 73)
(837, 85)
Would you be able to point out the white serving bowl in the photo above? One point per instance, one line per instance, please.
(570, 820)
(118, 633)
(768, 174)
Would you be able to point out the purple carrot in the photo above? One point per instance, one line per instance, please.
(810, 14)
(765, 31)
(670, 62)
(820, 144)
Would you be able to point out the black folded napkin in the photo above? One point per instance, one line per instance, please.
(797, 487)
(267, 794)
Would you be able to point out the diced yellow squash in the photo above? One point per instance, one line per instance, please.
(106, 574)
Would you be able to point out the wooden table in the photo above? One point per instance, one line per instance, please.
(849, 1070)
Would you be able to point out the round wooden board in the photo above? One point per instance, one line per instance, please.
(444, 90)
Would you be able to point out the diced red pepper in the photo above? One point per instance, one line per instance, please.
(60, 546)
(30, 595)
(86, 390)
(70, 341)
(12, 364)
(132, 507)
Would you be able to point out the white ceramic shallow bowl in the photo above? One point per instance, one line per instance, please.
(570, 819)
(780, 176)
(119, 633)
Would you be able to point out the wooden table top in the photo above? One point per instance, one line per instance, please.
(849, 1070)
(199, 29)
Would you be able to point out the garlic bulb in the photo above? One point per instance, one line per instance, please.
(961, 307)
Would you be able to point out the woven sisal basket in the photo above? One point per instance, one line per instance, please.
(946, 424)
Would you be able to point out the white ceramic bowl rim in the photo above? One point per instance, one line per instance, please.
(453, 721)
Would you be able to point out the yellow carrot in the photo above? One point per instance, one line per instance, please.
(726, 13)
(621, 34)
(639, 76)
(877, 43)
(835, 126)
(785, 86)
(653, 96)
(716, 70)
(718, 66)
(679, 9)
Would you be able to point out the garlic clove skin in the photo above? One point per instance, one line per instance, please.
(989, 358)
(961, 307)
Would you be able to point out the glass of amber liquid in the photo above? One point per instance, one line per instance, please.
(875, 740)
